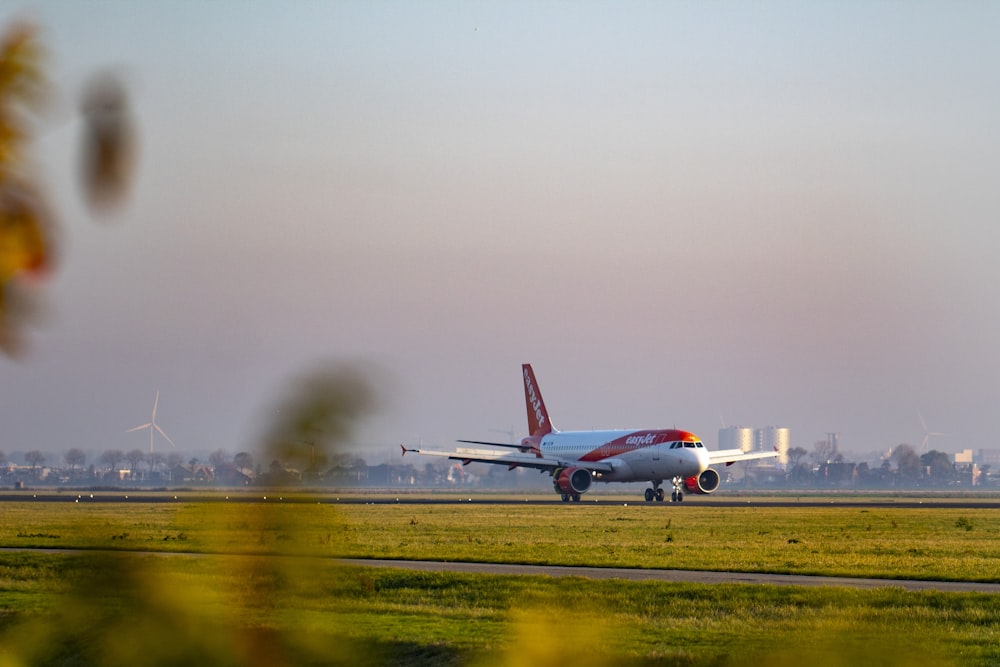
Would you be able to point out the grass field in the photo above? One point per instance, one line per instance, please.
(943, 543)
(257, 593)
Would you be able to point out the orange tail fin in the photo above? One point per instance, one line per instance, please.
(538, 416)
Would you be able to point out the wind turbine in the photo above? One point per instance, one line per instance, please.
(152, 425)
(928, 434)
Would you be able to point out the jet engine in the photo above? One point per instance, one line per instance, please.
(572, 481)
(707, 482)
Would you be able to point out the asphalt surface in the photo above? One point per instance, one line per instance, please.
(143, 496)
(679, 576)
(625, 574)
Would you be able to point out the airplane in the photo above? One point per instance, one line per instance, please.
(576, 459)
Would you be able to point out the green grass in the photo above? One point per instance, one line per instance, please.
(944, 543)
(263, 589)
(131, 608)
(896, 543)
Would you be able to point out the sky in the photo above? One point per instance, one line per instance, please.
(683, 214)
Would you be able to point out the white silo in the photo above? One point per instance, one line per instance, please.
(736, 437)
(774, 438)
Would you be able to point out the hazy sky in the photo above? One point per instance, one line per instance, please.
(682, 213)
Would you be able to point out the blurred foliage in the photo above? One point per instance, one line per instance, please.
(129, 609)
(316, 415)
(109, 145)
(26, 230)
(132, 609)
(547, 633)
(22, 87)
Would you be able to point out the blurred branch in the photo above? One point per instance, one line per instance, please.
(317, 414)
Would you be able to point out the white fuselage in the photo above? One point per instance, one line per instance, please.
(634, 455)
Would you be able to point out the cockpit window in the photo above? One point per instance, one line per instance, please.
(689, 444)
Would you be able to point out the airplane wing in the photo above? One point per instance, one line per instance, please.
(494, 444)
(731, 456)
(511, 459)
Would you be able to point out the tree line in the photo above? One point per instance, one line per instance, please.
(903, 468)
(135, 461)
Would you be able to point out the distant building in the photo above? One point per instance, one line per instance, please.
(965, 456)
(773, 439)
(833, 440)
(195, 472)
(989, 457)
(229, 475)
(767, 439)
(736, 437)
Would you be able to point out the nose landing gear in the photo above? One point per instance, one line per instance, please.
(677, 495)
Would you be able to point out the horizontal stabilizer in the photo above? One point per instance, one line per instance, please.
(494, 444)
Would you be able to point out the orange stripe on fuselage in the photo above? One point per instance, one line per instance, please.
(637, 440)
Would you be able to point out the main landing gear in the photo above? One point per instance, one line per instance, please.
(652, 494)
(657, 493)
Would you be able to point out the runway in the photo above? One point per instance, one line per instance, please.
(295, 496)
(767, 501)
(678, 576)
